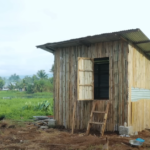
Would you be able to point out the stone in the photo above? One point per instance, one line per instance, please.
(44, 127)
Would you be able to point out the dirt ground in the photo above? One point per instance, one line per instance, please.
(29, 137)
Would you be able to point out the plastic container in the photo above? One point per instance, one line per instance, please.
(140, 140)
(125, 124)
(135, 143)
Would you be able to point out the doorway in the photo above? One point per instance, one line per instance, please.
(101, 78)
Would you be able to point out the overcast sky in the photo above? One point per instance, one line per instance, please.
(27, 23)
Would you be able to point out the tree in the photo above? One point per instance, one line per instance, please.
(27, 79)
(39, 86)
(18, 85)
(52, 69)
(11, 86)
(34, 78)
(51, 80)
(14, 78)
(2, 83)
(30, 89)
(42, 74)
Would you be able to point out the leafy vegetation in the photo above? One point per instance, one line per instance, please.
(17, 94)
(42, 75)
(2, 82)
(27, 97)
(37, 83)
(14, 78)
(43, 106)
(22, 108)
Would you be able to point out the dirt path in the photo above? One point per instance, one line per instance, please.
(32, 138)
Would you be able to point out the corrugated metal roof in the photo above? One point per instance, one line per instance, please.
(136, 36)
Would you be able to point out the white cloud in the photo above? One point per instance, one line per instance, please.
(27, 23)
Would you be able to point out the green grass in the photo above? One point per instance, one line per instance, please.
(18, 94)
(13, 108)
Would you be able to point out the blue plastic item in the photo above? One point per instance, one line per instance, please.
(140, 140)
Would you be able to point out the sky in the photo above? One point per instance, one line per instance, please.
(24, 24)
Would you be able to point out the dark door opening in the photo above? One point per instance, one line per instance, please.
(101, 78)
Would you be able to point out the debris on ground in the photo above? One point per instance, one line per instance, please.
(43, 122)
(29, 136)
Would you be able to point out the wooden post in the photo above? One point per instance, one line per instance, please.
(73, 117)
(106, 146)
(107, 142)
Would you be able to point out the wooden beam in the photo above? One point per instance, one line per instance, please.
(147, 51)
(141, 42)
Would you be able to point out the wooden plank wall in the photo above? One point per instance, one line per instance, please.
(66, 84)
(140, 115)
(139, 70)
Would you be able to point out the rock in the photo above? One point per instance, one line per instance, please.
(45, 123)
(44, 127)
(81, 135)
(40, 117)
(22, 132)
(11, 126)
(21, 141)
(44, 120)
(3, 125)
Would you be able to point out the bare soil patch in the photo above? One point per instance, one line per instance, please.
(29, 137)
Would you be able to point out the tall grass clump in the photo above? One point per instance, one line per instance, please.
(16, 107)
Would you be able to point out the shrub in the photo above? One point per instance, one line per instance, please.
(41, 106)
(30, 89)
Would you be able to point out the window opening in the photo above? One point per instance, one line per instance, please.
(101, 78)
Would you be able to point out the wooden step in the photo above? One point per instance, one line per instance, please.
(99, 112)
(96, 122)
(91, 121)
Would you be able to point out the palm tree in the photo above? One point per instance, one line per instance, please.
(14, 78)
(34, 78)
(42, 74)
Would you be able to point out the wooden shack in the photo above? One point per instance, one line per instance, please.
(110, 67)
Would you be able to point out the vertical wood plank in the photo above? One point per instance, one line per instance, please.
(67, 86)
(71, 68)
(74, 80)
(54, 84)
(64, 87)
(73, 117)
(61, 89)
(75, 85)
(58, 85)
(126, 79)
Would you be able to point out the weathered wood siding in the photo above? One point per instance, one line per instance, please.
(65, 82)
(139, 77)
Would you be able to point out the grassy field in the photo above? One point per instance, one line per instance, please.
(22, 106)
(17, 94)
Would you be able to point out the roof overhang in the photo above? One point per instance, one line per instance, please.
(135, 36)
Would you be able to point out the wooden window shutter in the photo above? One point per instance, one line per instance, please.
(85, 81)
